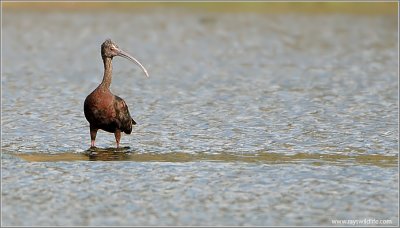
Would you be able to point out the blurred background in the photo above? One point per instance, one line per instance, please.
(266, 7)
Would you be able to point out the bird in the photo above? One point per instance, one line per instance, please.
(104, 110)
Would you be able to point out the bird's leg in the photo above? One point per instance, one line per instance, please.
(93, 133)
(117, 135)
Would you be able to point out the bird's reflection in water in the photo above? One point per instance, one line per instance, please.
(109, 154)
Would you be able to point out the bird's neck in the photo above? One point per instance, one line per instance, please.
(107, 73)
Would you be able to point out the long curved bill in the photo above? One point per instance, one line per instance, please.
(128, 56)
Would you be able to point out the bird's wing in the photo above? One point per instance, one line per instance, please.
(123, 116)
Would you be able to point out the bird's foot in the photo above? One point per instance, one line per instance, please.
(92, 144)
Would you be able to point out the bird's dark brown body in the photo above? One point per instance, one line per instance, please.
(107, 112)
(103, 110)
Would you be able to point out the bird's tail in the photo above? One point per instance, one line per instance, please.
(133, 122)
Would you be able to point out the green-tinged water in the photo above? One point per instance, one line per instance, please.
(246, 119)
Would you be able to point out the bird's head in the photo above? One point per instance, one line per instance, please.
(109, 50)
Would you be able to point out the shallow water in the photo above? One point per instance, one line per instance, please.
(246, 119)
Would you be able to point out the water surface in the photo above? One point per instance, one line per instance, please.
(246, 119)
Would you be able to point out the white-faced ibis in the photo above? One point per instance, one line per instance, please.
(103, 110)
